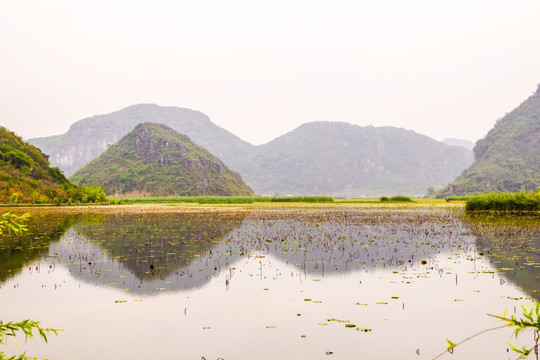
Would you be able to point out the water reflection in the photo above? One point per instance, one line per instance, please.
(326, 243)
(233, 284)
(149, 254)
(146, 254)
(512, 245)
(44, 228)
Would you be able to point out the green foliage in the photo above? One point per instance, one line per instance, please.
(57, 175)
(397, 198)
(530, 320)
(504, 202)
(26, 327)
(25, 171)
(12, 222)
(93, 194)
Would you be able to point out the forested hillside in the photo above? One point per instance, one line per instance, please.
(25, 174)
(507, 159)
(340, 159)
(153, 159)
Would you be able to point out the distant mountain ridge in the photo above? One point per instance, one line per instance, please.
(340, 159)
(155, 160)
(89, 137)
(507, 159)
(459, 142)
(331, 158)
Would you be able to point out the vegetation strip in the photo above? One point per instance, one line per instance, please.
(505, 202)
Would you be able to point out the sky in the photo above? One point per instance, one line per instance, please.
(262, 68)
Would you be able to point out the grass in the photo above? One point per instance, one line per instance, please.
(504, 202)
(457, 198)
(226, 199)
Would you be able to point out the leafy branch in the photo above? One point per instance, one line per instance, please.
(13, 223)
(530, 320)
(27, 327)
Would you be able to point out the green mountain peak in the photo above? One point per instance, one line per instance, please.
(155, 160)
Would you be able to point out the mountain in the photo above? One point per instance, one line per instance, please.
(25, 171)
(328, 158)
(459, 142)
(507, 159)
(155, 160)
(340, 159)
(87, 138)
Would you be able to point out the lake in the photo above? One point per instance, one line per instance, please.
(329, 282)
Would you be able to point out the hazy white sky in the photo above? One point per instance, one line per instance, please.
(261, 68)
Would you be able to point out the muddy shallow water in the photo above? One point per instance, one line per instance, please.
(267, 283)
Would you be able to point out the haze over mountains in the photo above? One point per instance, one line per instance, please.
(340, 159)
(459, 142)
(321, 158)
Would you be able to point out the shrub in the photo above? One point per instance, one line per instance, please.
(401, 198)
(93, 194)
(398, 198)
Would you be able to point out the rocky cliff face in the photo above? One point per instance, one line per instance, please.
(155, 160)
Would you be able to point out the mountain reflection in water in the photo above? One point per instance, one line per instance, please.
(146, 254)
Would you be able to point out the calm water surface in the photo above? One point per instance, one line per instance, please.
(188, 283)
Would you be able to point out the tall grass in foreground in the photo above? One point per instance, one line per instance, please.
(504, 202)
(226, 199)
